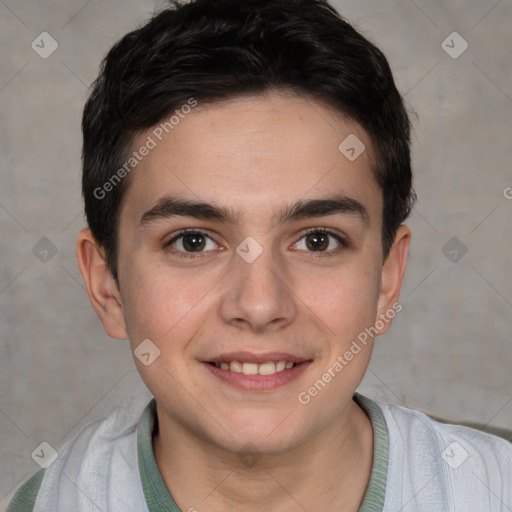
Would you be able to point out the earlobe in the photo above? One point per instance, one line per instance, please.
(103, 294)
(393, 270)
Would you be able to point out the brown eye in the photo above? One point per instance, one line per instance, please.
(321, 241)
(190, 242)
(193, 242)
(318, 241)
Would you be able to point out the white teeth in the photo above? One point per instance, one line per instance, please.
(249, 368)
(235, 366)
(266, 368)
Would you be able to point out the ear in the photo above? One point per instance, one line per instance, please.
(100, 285)
(393, 270)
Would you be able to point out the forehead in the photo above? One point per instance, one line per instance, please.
(254, 155)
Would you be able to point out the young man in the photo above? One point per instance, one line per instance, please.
(246, 173)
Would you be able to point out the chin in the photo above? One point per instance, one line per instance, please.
(269, 433)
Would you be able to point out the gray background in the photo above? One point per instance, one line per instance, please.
(448, 351)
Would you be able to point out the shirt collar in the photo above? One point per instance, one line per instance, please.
(159, 498)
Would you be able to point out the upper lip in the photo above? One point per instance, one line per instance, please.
(257, 358)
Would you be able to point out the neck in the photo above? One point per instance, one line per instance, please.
(330, 471)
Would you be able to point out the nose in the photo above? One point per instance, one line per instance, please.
(258, 296)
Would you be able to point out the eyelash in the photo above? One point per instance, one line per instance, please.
(316, 254)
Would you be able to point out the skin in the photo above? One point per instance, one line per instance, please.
(254, 155)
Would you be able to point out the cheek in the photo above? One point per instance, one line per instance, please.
(158, 304)
(147, 306)
(344, 299)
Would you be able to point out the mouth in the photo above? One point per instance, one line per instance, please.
(266, 368)
(257, 373)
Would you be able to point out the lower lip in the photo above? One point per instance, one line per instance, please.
(258, 382)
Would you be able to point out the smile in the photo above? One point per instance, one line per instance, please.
(266, 368)
(259, 374)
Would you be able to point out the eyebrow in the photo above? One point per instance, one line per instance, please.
(170, 206)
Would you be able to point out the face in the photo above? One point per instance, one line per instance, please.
(248, 242)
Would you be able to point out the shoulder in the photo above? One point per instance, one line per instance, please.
(82, 473)
(419, 426)
(456, 464)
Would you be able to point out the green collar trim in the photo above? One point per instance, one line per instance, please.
(159, 498)
(157, 495)
(376, 491)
